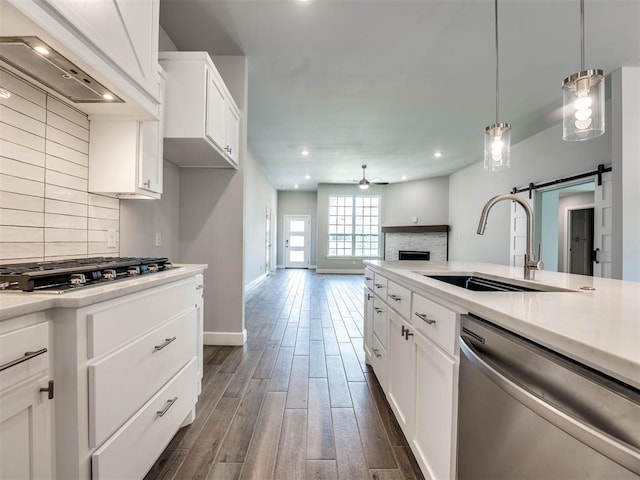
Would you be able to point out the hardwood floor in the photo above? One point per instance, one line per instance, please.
(297, 400)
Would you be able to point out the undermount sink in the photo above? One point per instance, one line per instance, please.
(481, 284)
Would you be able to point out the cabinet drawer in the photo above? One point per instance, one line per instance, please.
(380, 322)
(380, 285)
(435, 322)
(368, 278)
(125, 380)
(115, 322)
(399, 298)
(133, 449)
(15, 364)
(379, 363)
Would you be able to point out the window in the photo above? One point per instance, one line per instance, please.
(354, 226)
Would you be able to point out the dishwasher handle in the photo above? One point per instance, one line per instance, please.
(620, 452)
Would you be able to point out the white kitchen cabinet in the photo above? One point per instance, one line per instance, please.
(434, 435)
(126, 155)
(401, 366)
(368, 324)
(202, 127)
(118, 362)
(26, 412)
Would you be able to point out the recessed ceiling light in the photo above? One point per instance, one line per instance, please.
(437, 154)
(41, 50)
(107, 96)
(307, 176)
(304, 152)
(295, 186)
(404, 177)
(4, 93)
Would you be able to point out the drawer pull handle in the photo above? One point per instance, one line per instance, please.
(167, 406)
(49, 390)
(368, 278)
(379, 285)
(369, 296)
(200, 287)
(423, 316)
(27, 356)
(377, 310)
(397, 298)
(167, 341)
(377, 353)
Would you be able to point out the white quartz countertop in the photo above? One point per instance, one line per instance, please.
(19, 303)
(599, 328)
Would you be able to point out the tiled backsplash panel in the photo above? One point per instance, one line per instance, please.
(436, 243)
(46, 211)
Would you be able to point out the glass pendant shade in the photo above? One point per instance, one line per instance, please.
(497, 147)
(583, 105)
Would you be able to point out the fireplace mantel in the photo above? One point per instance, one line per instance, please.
(415, 229)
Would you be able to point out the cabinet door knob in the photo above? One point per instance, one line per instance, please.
(423, 317)
(377, 353)
(49, 390)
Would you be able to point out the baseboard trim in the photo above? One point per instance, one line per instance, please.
(280, 266)
(344, 271)
(255, 282)
(225, 338)
(313, 267)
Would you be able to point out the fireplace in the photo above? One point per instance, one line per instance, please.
(413, 255)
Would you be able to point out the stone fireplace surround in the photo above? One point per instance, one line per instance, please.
(431, 238)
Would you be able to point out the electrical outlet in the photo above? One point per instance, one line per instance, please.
(111, 238)
(158, 239)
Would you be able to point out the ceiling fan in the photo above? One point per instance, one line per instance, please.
(363, 184)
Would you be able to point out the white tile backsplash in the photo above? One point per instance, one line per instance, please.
(46, 212)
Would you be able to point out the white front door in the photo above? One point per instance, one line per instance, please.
(296, 241)
(602, 221)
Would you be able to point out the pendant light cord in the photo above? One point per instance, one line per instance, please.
(581, 35)
(497, 63)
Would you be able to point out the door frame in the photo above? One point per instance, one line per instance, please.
(567, 233)
(285, 247)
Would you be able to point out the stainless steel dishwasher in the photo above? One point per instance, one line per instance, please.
(525, 412)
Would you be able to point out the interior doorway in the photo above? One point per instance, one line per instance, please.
(580, 241)
(267, 243)
(297, 229)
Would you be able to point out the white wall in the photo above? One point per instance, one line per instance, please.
(141, 220)
(297, 203)
(46, 210)
(427, 199)
(543, 157)
(625, 122)
(259, 195)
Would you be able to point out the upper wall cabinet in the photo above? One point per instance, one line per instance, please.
(202, 125)
(125, 155)
(116, 41)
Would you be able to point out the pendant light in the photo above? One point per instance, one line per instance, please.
(583, 99)
(497, 136)
(364, 183)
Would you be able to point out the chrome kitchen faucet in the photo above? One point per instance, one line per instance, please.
(530, 262)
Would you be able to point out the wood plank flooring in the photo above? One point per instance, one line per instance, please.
(297, 401)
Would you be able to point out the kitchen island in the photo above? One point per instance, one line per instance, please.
(109, 375)
(412, 324)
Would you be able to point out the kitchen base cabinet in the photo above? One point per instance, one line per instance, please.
(401, 382)
(368, 324)
(25, 432)
(434, 435)
(26, 411)
(118, 363)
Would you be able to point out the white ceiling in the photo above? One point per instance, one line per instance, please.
(389, 82)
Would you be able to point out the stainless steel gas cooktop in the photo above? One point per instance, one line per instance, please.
(65, 275)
